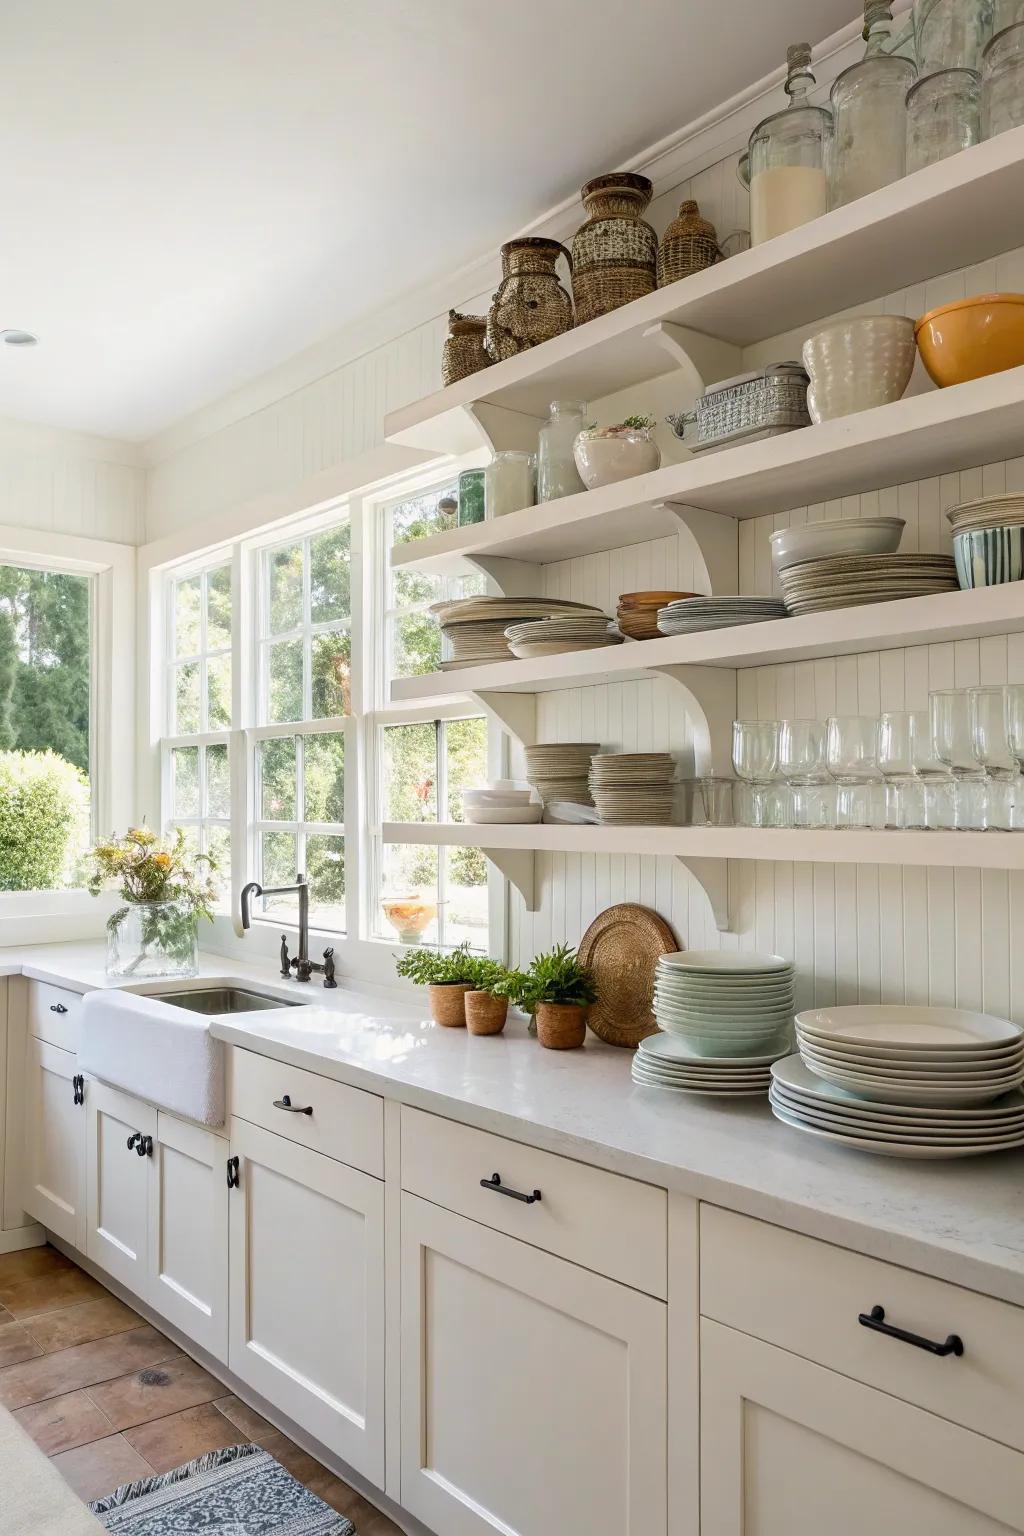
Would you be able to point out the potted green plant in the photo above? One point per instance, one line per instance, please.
(447, 978)
(166, 889)
(558, 990)
(487, 1004)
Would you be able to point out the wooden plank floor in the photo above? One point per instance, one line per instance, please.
(110, 1399)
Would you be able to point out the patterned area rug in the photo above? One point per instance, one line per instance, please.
(241, 1491)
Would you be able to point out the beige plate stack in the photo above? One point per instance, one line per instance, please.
(571, 632)
(633, 788)
(699, 613)
(850, 581)
(558, 770)
(987, 512)
(473, 628)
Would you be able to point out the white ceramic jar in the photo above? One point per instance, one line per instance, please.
(605, 455)
(857, 364)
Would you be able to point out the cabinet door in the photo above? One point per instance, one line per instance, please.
(188, 1232)
(54, 1165)
(118, 1178)
(306, 1313)
(533, 1391)
(793, 1449)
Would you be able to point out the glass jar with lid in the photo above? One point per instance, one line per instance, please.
(943, 116)
(869, 111)
(557, 474)
(508, 483)
(788, 183)
(951, 34)
(1002, 81)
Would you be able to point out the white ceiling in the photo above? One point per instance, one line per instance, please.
(194, 190)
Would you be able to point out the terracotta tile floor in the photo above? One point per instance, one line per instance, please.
(109, 1399)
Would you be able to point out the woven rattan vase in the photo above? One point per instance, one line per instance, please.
(463, 352)
(485, 1015)
(615, 253)
(530, 305)
(448, 1003)
(561, 1026)
(688, 245)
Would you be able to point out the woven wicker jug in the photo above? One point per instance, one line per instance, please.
(615, 253)
(463, 351)
(530, 305)
(688, 245)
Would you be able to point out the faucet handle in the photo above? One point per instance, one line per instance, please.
(286, 964)
(329, 980)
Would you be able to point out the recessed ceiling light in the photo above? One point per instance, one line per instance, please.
(16, 338)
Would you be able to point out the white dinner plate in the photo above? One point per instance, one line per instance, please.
(889, 1024)
(716, 962)
(913, 1093)
(799, 1080)
(892, 1148)
(956, 1077)
(502, 815)
(904, 1135)
(934, 1123)
(705, 1093)
(921, 1072)
(905, 1055)
(672, 1048)
(705, 1080)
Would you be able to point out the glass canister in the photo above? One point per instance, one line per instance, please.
(869, 109)
(508, 483)
(471, 497)
(943, 116)
(951, 34)
(788, 182)
(1006, 14)
(557, 474)
(1002, 82)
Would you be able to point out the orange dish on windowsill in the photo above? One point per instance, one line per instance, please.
(972, 337)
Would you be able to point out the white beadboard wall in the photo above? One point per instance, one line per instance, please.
(64, 482)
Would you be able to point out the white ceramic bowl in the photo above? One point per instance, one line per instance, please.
(605, 460)
(857, 364)
(848, 536)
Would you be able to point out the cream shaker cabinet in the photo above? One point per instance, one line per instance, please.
(533, 1390)
(53, 1148)
(187, 1268)
(121, 1135)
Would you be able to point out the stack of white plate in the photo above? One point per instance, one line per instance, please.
(633, 788)
(803, 1101)
(850, 581)
(558, 770)
(550, 637)
(725, 1003)
(500, 804)
(987, 512)
(693, 614)
(667, 1061)
(473, 628)
(897, 1055)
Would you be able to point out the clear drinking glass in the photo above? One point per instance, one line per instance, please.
(992, 749)
(1002, 81)
(1013, 700)
(851, 752)
(953, 745)
(708, 802)
(896, 765)
(932, 809)
(802, 765)
(943, 116)
(755, 757)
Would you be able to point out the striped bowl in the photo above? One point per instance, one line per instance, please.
(987, 557)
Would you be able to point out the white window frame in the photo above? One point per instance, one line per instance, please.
(203, 656)
(307, 630)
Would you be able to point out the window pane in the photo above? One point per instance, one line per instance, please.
(324, 777)
(218, 844)
(186, 699)
(408, 905)
(419, 517)
(415, 645)
(218, 693)
(465, 912)
(332, 675)
(191, 844)
(218, 781)
(466, 747)
(185, 779)
(325, 871)
(277, 867)
(277, 780)
(329, 575)
(408, 588)
(284, 681)
(218, 608)
(410, 772)
(187, 605)
(284, 584)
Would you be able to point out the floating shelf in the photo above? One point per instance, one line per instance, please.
(966, 209)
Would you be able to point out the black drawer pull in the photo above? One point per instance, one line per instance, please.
(293, 1109)
(144, 1146)
(875, 1319)
(233, 1180)
(57, 1008)
(494, 1182)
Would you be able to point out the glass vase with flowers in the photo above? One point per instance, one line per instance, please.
(165, 889)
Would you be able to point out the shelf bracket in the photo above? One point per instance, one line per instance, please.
(515, 713)
(511, 578)
(713, 539)
(712, 875)
(518, 866)
(702, 359)
(498, 428)
(710, 702)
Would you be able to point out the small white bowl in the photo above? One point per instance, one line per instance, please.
(848, 536)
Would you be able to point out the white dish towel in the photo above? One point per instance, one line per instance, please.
(158, 1053)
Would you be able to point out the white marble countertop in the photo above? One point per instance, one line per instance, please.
(961, 1221)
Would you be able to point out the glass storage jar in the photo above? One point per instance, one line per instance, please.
(471, 497)
(869, 109)
(153, 938)
(557, 474)
(1002, 82)
(951, 34)
(943, 116)
(788, 183)
(508, 483)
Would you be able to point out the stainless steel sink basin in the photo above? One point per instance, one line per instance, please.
(216, 1001)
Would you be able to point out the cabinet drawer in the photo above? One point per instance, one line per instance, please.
(806, 1296)
(346, 1123)
(53, 1014)
(610, 1224)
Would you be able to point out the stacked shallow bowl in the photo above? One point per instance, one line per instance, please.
(637, 613)
(558, 770)
(473, 628)
(633, 788)
(726, 1006)
(904, 1081)
(694, 614)
(851, 581)
(572, 632)
(669, 1061)
(500, 803)
(988, 540)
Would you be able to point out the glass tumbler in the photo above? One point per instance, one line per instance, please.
(1002, 82)
(851, 753)
(931, 809)
(953, 745)
(755, 757)
(987, 708)
(943, 116)
(896, 765)
(802, 765)
(1013, 703)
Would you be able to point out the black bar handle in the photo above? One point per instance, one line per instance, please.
(78, 1088)
(133, 1140)
(144, 1146)
(293, 1109)
(494, 1182)
(58, 1008)
(233, 1180)
(875, 1319)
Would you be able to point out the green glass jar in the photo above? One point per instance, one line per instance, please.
(471, 497)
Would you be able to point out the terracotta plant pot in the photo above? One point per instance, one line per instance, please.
(561, 1026)
(448, 1003)
(485, 1015)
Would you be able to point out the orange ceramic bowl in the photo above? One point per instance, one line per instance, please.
(972, 337)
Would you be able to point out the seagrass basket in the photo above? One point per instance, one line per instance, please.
(463, 352)
(615, 253)
(688, 245)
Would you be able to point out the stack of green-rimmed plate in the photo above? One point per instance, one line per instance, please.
(725, 1003)
(670, 1061)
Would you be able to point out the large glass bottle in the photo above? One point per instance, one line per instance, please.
(557, 474)
(788, 182)
(869, 111)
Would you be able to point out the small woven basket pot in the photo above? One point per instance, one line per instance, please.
(463, 352)
(485, 1015)
(448, 1003)
(561, 1026)
(615, 253)
(688, 245)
